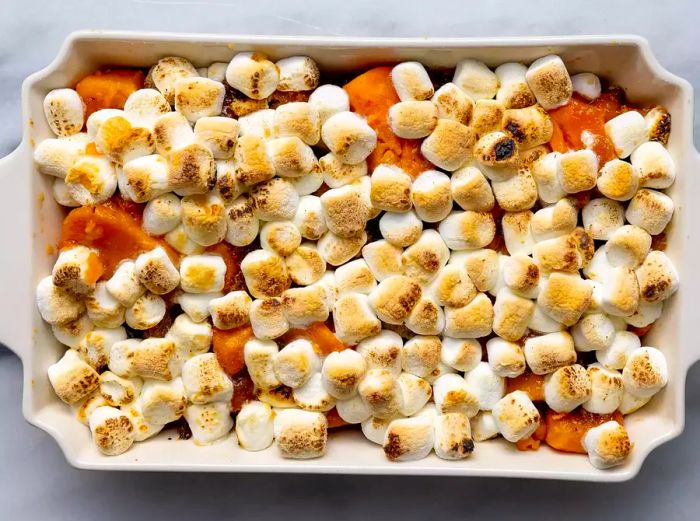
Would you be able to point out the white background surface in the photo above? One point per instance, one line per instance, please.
(36, 481)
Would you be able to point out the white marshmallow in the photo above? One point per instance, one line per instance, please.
(607, 390)
(64, 111)
(421, 355)
(615, 356)
(267, 318)
(296, 363)
(219, 134)
(124, 284)
(309, 183)
(118, 391)
(241, 224)
(542, 323)
(401, 229)
(91, 180)
(453, 440)
(517, 234)
(190, 338)
(259, 123)
(61, 195)
(205, 381)
(142, 428)
(337, 250)
(156, 271)
(413, 119)
(253, 74)
(349, 137)
(95, 120)
(353, 410)
(547, 353)
(178, 239)
(163, 402)
(144, 106)
(486, 385)
(411, 81)
(354, 319)
(567, 388)
(144, 178)
(145, 312)
(658, 278)
(305, 265)
(627, 131)
(449, 145)
(593, 332)
(208, 422)
(646, 314)
(608, 445)
(586, 84)
(483, 426)
(196, 306)
(374, 429)
(453, 394)
(328, 100)
(554, 220)
(549, 81)
(415, 393)
(602, 217)
(71, 378)
(312, 396)
(172, 132)
(628, 246)
(112, 430)
(545, 171)
(300, 434)
(337, 174)
(409, 439)
(645, 372)
(297, 73)
(460, 354)
(513, 90)
(259, 358)
(453, 103)
(309, 218)
(94, 348)
(467, 230)
(298, 119)
(505, 358)
(475, 79)
(342, 372)
(382, 351)
(254, 426)
(161, 214)
(84, 408)
(631, 403)
(72, 333)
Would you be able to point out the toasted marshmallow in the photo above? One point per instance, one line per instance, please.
(268, 319)
(593, 332)
(61, 195)
(486, 385)
(355, 276)
(144, 178)
(278, 397)
(329, 100)
(281, 237)
(375, 429)
(602, 217)
(505, 358)
(528, 127)
(516, 416)
(564, 297)
(192, 170)
(300, 434)
(91, 180)
(202, 273)
(475, 79)
(413, 119)
(646, 314)
(95, 346)
(382, 351)
(483, 426)
(511, 315)
(475, 320)
(309, 183)
(453, 103)
(619, 291)
(577, 171)
(421, 355)
(460, 354)
(118, 391)
(547, 353)
(124, 285)
(72, 333)
(253, 74)
(411, 81)
(84, 408)
(516, 232)
(254, 426)
(231, 310)
(172, 132)
(654, 166)
(95, 120)
(390, 189)
(628, 246)
(157, 272)
(337, 250)
(542, 323)
(415, 393)
(297, 73)
(219, 134)
(426, 257)
(64, 111)
(615, 356)
(274, 200)
(627, 131)
(191, 338)
(658, 278)
(549, 81)
(145, 312)
(56, 305)
(466, 230)
(545, 172)
(145, 106)
(197, 98)
(178, 239)
(196, 306)
(517, 193)
(155, 358)
(122, 142)
(380, 390)
(383, 260)
(76, 270)
(560, 253)
(471, 190)
(453, 439)
(205, 381)
(112, 430)
(265, 274)
(645, 371)
(650, 210)
(453, 287)
(312, 395)
(554, 220)
(336, 173)
(330, 288)
(166, 73)
(488, 117)
(349, 137)
(606, 390)
(586, 84)
(227, 185)
(607, 445)
(72, 379)
(342, 372)
(259, 358)
(161, 214)
(354, 318)
(309, 219)
(345, 211)
(449, 145)
(409, 439)
(452, 394)
(353, 410)
(305, 265)
(394, 298)
(496, 149)
(658, 124)
(291, 157)
(242, 226)
(513, 90)
(618, 180)
(298, 119)
(204, 218)
(208, 422)
(254, 163)
(402, 229)
(304, 306)
(259, 123)
(631, 403)
(567, 388)
(521, 275)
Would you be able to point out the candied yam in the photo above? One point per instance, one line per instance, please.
(243, 390)
(232, 256)
(529, 382)
(565, 431)
(228, 346)
(334, 419)
(319, 334)
(108, 89)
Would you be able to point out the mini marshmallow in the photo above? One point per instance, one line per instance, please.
(219, 134)
(354, 410)
(312, 396)
(487, 117)
(95, 346)
(64, 111)
(413, 119)
(76, 270)
(517, 193)
(241, 224)
(197, 97)
(204, 218)
(383, 260)
(615, 356)
(521, 275)
(72, 333)
(505, 358)
(452, 394)
(471, 190)
(631, 403)
(304, 306)
(627, 131)
(426, 257)
(516, 232)
(95, 120)
(190, 338)
(345, 211)
(309, 219)
(298, 119)
(545, 171)
(513, 90)
(205, 381)
(265, 274)
(409, 439)
(309, 183)
(342, 372)
(202, 273)
(593, 332)
(354, 319)
(258, 123)
(118, 391)
(144, 178)
(483, 426)
(121, 142)
(618, 180)
(355, 276)
(254, 163)
(61, 195)
(72, 379)
(601, 217)
(349, 137)
(645, 372)
(453, 103)
(411, 81)
(496, 149)
(607, 445)
(646, 314)
(84, 408)
(486, 385)
(382, 393)
(401, 229)
(196, 306)
(382, 351)
(259, 358)
(390, 189)
(337, 250)
(209, 422)
(511, 315)
(300, 434)
(156, 271)
(146, 312)
(542, 323)
(124, 284)
(192, 170)
(274, 200)
(178, 239)
(415, 393)
(658, 278)
(268, 319)
(564, 297)
(658, 124)
(628, 246)
(528, 127)
(516, 416)
(554, 220)
(619, 291)
(449, 145)
(567, 388)
(421, 355)
(155, 358)
(560, 253)
(549, 81)
(586, 84)
(231, 310)
(254, 426)
(466, 230)
(547, 353)
(453, 440)
(161, 214)
(460, 354)
(103, 309)
(167, 72)
(453, 287)
(172, 132)
(654, 166)
(336, 173)
(91, 180)
(253, 74)
(297, 73)
(329, 100)
(278, 397)
(394, 298)
(291, 157)
(577, 171)
(280, 237)
(305, 265)
(607, 390)
(145, 106)
(112, 430)
(475, 79)
(227, 185)
(475, 320)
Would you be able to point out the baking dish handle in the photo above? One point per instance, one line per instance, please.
(15, 252)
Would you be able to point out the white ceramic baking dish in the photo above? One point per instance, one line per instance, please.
(30, 221)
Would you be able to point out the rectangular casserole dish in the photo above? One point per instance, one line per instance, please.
(31, 221)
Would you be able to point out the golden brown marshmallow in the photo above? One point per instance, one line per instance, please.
(411, 81)
(516, 193)
(394, 298)
(475, 320)
(658, 124)
(265, 274)
(650, 210)
(391, 189)
(254, 164)
(383, 259)
(230, 311)
(658, 278)
(354, 318)
(274, 200)
(167, 72)
(424, 259)
(549, 81)
(517, 234)
(298, 119)
(267, 318)
(337, 250)
(618, 180)
(467, 230)
(488, 116)
(303, 306)
(496, 149)
(301, 434)
(197, 97)
(567, 388)
(471, 190)
(529, 127)
(253, 74)
(607, 445)
(511, 315)
(76, 270)
(453, 103)
(577, 171)
(157, 272)
(513, 91)
(449, 145)
(291, 157)
(191, 170)
(547, 353)
(453, 287)
(421, 355)
(219, 134)
(413, 119)
(72, 379)
(432, 196)
(280, 237)
(345, 211)
(381, 392)
(305, 265)
(565, 297)
(516, 416)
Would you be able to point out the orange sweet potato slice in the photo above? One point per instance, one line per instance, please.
(108, 89)
(534, 441)
(321, 337)
(232, 256)
(334, 419)
(372, 94)
(228, 347)
(565, 431)
(529, 382)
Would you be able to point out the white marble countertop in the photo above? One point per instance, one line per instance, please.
(39, 484)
